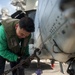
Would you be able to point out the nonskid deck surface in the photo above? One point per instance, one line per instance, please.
(45, 68)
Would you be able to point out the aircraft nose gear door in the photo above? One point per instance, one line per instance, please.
(71, 67)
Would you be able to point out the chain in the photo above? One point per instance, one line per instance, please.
(20, 64)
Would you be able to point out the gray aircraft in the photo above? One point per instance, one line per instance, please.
(55, 32)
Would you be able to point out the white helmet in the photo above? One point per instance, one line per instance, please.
(4, 11)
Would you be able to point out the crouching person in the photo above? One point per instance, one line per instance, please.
(14, 40)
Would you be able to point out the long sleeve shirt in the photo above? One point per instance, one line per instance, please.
(4, 50)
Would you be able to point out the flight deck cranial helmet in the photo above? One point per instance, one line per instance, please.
(5, 11)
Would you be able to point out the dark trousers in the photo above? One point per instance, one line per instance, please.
(19, 71)
(2, 65)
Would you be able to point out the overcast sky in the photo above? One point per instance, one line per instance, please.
(6, 4)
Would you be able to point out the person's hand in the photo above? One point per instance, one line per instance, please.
(18, 59)
(27, 63)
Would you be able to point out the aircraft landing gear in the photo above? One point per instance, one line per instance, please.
(71, 67)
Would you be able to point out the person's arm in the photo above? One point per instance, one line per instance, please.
(4, 50)
(27, 51)
(27, 47)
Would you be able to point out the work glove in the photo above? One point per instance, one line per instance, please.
(27, 63)
(18, 59)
